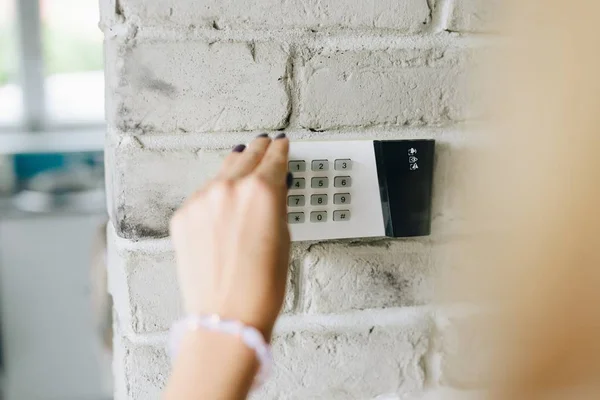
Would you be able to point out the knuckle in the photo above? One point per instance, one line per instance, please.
(261, 187)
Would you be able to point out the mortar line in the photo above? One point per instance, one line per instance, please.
(442, 13)
(225, 140)
(351, 321)
(436, 35)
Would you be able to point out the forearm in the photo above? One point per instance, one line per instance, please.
(212, 366)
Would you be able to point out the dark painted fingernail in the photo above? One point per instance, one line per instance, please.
(289, 179)
(239, 148)
(263, 135)
(280, 136)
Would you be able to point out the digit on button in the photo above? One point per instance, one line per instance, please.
(297, 166)
(319, 183)
(342, 181)
(341, 216)
(341, 198)
(343, 165)
(318, 216)
(296, 201)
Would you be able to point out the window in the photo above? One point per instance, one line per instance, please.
(51, 75)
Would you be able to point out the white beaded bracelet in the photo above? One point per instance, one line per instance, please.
(250, 336)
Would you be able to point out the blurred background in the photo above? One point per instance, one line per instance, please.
(52, 202)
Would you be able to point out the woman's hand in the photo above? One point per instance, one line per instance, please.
(232, 240)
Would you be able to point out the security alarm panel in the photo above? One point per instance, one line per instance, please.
(353, 189)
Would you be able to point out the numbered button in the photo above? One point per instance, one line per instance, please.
(319, 183)
(296, 201)
(341, 198)
(318, 216)
(297, 166)
(296, 218)
(342, 181)
(298, 183)
(343, 165)
(318, 199)
(320, 165)
(341, 216)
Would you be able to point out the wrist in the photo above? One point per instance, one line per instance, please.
(193, 331)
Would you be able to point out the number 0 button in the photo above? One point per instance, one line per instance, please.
(342, 181)
(318, 216)
(296, 201)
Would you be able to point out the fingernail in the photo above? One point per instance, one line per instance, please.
(263, 135)
(289, 179)
(239, 148)
(280, 136)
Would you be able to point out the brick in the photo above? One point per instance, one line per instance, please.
(378, 275)
(475, 15)
(391, 87)
(408, 16)
(146, 293)
(147, 186)
(360, 364)
(195, 86)
(141, 370)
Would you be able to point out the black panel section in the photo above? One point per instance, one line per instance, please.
(405, 172)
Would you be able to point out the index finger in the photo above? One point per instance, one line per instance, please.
(274, 165)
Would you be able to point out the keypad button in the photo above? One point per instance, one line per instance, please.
(341, 216)
(297, 166)
(343, 165)
(319, 183)
(318, 216)
(299, 183)
(296, 201)
(318, 200)
(320, 165)
(296, 218)
(342, 181)
(341, 198)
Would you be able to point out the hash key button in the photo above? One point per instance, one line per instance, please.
(342, 181)
(340, 216)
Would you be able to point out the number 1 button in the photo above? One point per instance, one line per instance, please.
(297, 166)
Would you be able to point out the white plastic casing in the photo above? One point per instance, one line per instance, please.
(366, 216)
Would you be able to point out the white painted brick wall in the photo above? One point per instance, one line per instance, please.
(188, 79)
(391, 87)
(402, 15)
(172, 86)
